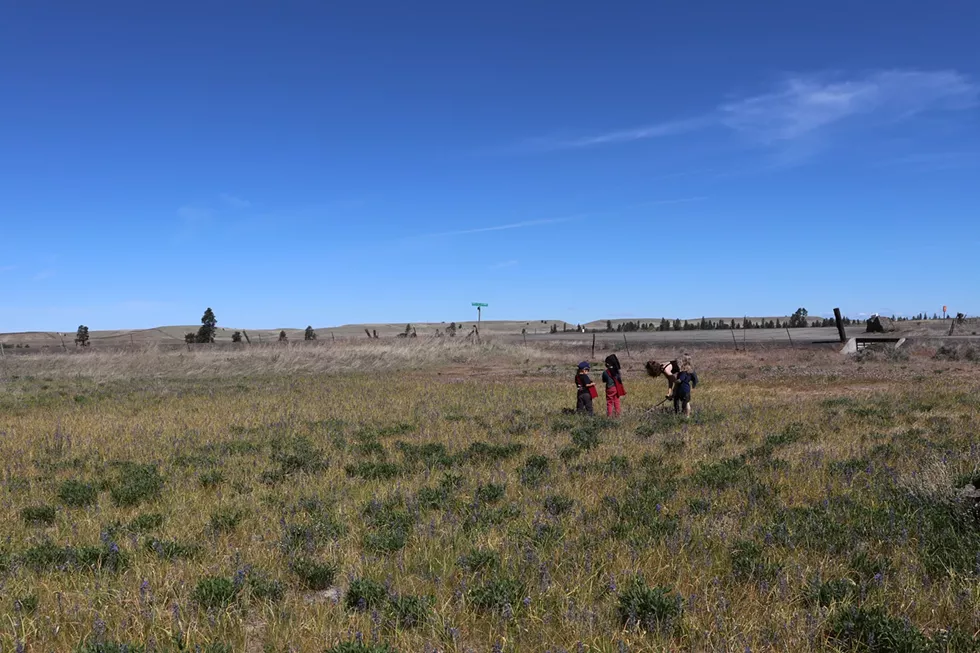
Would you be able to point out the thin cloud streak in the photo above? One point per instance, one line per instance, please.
(505, 227)
(803, 105)
(234, 201)
(549, 221)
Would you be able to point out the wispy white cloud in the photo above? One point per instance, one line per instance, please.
(47, 273)
(935, 161)
(194, 214)
(655, 130)
(801, 106)
(234, 201)
(679, 200)
(504, 264)
(504, 227)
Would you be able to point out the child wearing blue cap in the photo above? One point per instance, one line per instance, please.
(585, 389)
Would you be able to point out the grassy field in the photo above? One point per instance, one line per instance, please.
(435, 497)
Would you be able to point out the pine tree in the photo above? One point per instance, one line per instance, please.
(282, 336)
(236, 336)
(798, 319)
(309, 334)
(208, 327)
(81, 336)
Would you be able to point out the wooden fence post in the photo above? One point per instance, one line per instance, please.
(840, 325)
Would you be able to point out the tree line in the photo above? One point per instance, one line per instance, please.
(798, 320)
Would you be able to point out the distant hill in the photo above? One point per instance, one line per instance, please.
(175, 334)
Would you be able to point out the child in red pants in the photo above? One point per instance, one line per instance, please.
(614, 386)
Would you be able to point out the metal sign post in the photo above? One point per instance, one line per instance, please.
(479, 306)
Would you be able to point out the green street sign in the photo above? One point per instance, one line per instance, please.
(478, 304)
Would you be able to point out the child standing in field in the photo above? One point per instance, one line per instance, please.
(585, 390)
(613, 379)
(684, 381)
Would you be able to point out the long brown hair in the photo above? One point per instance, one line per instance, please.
(654, 368)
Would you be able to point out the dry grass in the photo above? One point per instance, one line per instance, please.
(378, 460)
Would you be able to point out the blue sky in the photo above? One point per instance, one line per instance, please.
(298, 163)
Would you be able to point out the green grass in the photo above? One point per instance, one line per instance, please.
(428, 508)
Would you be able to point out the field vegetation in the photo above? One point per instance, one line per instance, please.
(418, 496)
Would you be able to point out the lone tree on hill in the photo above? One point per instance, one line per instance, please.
(309, 334)
(209, 327)
(282, 336)
(236, 337)
(81, 336)
(798, 319)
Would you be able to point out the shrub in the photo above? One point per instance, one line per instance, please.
(136, 483)
(882, 352)
(871, 629)
(490, 492)
(482, 452)
(264, 588)
(171, 549)
(77, 493)
(430, 454)
(373, 471)
(750, 563)
(497, 594)
(360, 647)
(534, 471)
(314, 575)
(649, 608)
(585, 437)
(109, 647)
(215, 591)
(659, 424)
(477, 560)
(390, 523)
(835, 590)
(364, 594)
(410, 611)
(721, 474)
(698, 505)
(211, 478)
(50, 557)
(145, 522)
(557, 504)
(38, 515)
(430, 498)
(225, 520)
(26, 604)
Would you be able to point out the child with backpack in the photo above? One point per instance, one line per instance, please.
(613, 379)
(585, 389)
(684, 381)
